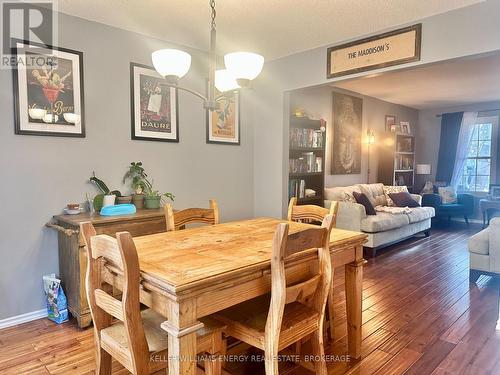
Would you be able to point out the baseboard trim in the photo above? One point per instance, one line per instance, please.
(23, 318)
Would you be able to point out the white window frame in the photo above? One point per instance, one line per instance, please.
(494, 145)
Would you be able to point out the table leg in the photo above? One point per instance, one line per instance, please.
(354, 300)
(181, 327)
(484, 219)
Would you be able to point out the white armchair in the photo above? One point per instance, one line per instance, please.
(484, 249)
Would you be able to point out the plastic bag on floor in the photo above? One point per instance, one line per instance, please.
(57, 304)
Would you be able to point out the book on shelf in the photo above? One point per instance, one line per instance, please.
(308, 162)
(309, 138)
(296, 188)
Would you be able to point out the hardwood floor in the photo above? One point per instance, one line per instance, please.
(421, 316)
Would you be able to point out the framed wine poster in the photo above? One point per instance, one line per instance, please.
(223, 124)
(155, 112)
(48, 90)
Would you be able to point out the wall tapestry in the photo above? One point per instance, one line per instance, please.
(346, 145)
(155, 112)
(48, 91)
(223, 124)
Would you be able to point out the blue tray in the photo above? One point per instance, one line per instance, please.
(118, 209)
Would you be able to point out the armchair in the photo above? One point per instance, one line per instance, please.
(464, 206)
(484, 251)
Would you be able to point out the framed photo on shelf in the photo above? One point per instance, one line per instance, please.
(48, 90)
(155, 110)
(390, 123)
(495, 191)
(223, 124)
(405, 127)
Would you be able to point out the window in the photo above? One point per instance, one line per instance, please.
(479, 168)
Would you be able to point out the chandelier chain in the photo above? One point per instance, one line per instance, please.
(214, 13)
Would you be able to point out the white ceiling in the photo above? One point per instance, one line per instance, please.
(458, 82)
(274, 28)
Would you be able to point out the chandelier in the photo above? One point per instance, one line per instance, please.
(241, 68)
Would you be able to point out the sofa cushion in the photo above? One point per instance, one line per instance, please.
(375, 193)
(362, 199)
(420, 213)
(383, 221)
(341, 193)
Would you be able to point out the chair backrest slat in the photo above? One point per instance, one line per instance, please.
(106, 247)
(309, 213)
(109, 304)
(298, 291)
(121, 256)
(305, 239)
(178, 220)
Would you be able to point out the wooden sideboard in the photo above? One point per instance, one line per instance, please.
(72, 254)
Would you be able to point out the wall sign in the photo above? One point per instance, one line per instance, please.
(392, 48)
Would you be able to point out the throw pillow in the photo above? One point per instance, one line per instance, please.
(347, 196)
(393, 189)
(403, 200)
(363, 199)
(448, 194)
(428, 188)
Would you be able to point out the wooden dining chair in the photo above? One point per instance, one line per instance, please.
(121, 330)
(291, 312)
(314, 214)
(310, 213)
(179, 219)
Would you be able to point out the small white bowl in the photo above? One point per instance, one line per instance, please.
(37, 113)
(72, 118)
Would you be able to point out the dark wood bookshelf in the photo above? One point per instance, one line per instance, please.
(397, 159)
(312, 180)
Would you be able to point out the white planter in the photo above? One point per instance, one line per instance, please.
(108, 200)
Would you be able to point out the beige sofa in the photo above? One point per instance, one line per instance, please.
(484, 251)
(384, 228)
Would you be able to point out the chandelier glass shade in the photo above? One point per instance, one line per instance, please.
(244, 65)
(225, 81)
(171, 62)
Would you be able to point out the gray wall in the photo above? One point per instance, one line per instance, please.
(318, 102)
(41, 174)
(463, 32)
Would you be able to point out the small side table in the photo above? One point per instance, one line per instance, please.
(488, 207)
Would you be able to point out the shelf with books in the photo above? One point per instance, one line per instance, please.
(306, 160)
(397, 159)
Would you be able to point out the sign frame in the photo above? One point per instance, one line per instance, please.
(416, 57)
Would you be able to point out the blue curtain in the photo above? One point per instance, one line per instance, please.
(450, 129)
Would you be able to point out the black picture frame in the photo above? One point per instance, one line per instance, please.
(133, 134)
(16, 88)
(223, 142)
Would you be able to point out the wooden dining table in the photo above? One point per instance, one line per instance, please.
(192, 273)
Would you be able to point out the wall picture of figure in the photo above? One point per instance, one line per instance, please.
(223, 124)
(346, 145)
(154, 106)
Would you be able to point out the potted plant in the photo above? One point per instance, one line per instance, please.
(145, 195)
(137, 176)
(107, 196)
(153, 198)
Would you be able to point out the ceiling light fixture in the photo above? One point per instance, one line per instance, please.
(241, 68)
